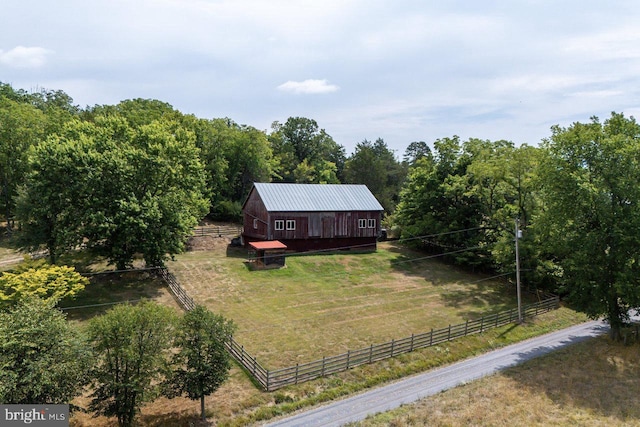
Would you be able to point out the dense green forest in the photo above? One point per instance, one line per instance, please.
(137, 176)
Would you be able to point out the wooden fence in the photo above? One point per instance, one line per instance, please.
(178, 291)
(275, 379)
(218, 230)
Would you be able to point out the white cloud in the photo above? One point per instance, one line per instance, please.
(25, 57)
(309, 86)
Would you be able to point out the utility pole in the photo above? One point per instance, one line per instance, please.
(518, 234)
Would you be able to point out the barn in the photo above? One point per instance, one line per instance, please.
(309, 217)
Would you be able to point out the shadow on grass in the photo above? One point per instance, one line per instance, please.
(471, 294)
(596, 374)
(236, 252)
(106, 290)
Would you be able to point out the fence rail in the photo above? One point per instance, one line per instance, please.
(275, 379)
(178, 291)
(217, 230)
(376, 352)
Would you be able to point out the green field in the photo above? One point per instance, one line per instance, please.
(322, 305)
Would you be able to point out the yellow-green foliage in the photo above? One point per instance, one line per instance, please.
(46, 282)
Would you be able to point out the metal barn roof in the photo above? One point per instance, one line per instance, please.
(317, 197)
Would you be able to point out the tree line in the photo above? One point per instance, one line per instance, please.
(577, 198)
(135, 177)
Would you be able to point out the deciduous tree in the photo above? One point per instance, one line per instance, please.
(375, 165)
(49, 282)
(43, 358)
(132, 346)
(202, 362)
(115, 189)
(300, 139)
(591, 215)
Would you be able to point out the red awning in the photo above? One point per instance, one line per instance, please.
(270, 244)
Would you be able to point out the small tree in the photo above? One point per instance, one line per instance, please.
(49, 282)
(202, 362)
(132, 345)
(43, 359)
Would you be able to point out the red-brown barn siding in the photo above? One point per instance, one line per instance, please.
(254, 210)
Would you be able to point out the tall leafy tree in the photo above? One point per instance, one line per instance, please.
(50, 203)
(137, 112)
(300, 139)
(43, 358)
(119, 190)
(436, 201)
(375, 165)
(202, 362)
(132, 346)
(416, 150)
(21, 127)
(591, 218)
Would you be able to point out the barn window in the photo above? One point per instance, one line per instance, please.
(371, 223)
(255, 223)
(362, 223)
(279, 224)
(291, 224)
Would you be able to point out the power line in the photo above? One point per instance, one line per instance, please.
(437, 255)
(320, 251)
(99, 305)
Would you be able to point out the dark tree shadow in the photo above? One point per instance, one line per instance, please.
(596, 374)
(105, 289)
(481, 294)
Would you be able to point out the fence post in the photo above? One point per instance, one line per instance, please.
(449, 334)
(411, 343)
(497, 318)
(481, 323)
(371, 353)
(348, 357)
(466, 327)
(296, 373)
(392, 345)
(268, 381)
(431, 338)
(322, 366)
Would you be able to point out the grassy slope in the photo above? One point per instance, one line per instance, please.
(323, 305)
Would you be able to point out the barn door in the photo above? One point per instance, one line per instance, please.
(328, 227)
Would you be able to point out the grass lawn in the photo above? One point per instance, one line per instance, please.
(323, 305)
(593, 383)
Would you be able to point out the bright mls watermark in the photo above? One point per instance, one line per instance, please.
(38, 415)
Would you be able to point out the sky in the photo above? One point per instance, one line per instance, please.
(398, 70)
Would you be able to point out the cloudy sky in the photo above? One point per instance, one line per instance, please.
(399, 70)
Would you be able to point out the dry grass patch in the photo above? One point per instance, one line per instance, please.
(593, 383)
